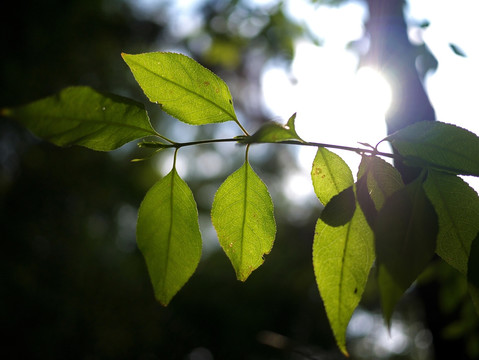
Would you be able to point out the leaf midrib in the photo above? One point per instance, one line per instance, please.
(96, 122)
(188, 90)
(342, 270)
(170, 232)
(245, 205)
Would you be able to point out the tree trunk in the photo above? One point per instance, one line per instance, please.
(392, 53)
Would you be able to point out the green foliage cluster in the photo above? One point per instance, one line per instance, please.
(375, 219)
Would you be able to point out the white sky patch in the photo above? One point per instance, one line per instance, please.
(454, 87)
(334, 104)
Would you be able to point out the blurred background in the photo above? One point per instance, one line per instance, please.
(74, 285)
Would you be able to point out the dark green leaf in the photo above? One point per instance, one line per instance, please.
(340, 209)
(330, 175)
(438, 145)
(377, 180)
(342, 259)
(85, 117)
(405, 238)
(473, 263)
(382, 179)
(474, 293)
(168, 235)
(457, 207)
(390, 291)
(457, 50)
(365, 202)
(243, 217)
(424, 24)
(185, 89)
(473, 273)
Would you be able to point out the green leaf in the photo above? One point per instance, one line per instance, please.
(365, 202)
(390, 291)
(273, 132)
(168, 235)
(342, 259)
(85, 117)
(185, 89)
(377, 180)
(438, 145)
(405, 239)
(330, 175)
(242, 215)
(382, 179)
(340, 209)
(457, 207)
(457, 50)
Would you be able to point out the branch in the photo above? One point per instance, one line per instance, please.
(240, 140)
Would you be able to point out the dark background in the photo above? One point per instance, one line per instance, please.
(73, 285)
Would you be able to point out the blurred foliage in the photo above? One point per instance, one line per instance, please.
(73, 283)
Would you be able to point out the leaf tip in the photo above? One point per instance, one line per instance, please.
(243, 275)
(163, 302)
(342, 348)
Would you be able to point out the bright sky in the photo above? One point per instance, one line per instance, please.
(336, 104)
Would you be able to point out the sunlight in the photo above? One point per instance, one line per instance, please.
(335, 103)
(374, 92)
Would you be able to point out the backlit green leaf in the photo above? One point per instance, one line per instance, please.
(273, 132)
(382, 179)
(242, 215)
(342, 259)
(85, 117)
(377, 180)
(438, 145)
(185, 89)
(168, 235)
(330, 175)
(457, 207)
(405, 239)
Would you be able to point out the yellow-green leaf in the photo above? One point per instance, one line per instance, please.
(342, 259)
(82, 116)
(242, 215)
(330, 175)
(185, 89)
(168, 235)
